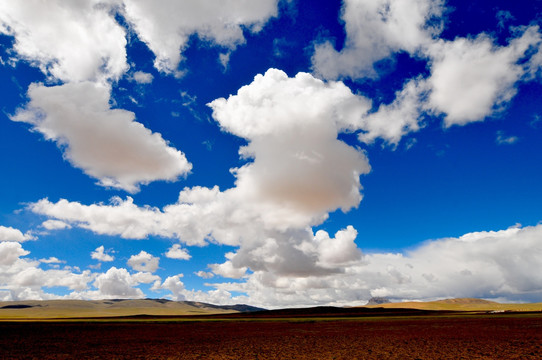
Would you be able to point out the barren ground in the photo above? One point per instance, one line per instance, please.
(508, 336)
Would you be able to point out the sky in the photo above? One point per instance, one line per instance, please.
(277, 153)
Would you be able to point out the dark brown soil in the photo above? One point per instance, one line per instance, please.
(480, 337)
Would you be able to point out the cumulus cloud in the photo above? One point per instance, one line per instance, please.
(292, 126)
(204, 274)
(145, 278)
(375, 29)
(55, 225)
(338, 251)
(174, 285)
(100, 255)
(166, 25)
(144, 262)
(176, 252)
(141, 77)
(11, 252)
(487, 264)
(52, 260)
(228, 270)
(105, 143)
(299, 170)
(22, 279)
(470, 77)
(69, 41)
(178, 292)
(115, 284)
(391, 122)
(8, 233)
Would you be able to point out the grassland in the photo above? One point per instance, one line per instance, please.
(462, 304)
(65, 309)
(158, 308)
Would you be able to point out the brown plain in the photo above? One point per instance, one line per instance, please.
(490, 337)
(318, 333)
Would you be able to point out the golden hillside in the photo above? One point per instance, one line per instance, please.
(103, 308)
(461, 304)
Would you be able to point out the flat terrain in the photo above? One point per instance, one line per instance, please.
(161, 329)
(503, 336)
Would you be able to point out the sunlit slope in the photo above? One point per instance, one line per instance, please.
(464, 304)
(103, 308)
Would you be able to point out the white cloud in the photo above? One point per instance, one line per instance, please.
(338, 251)
(141, 77)
(145, 277)
(10, 252)
(180, 293)
(8, 233)
(228, 270)
(204, 274)
(392, 121)
(224, 59)
(122, 218)
(176, 252)
(292, 126)
(100, 255)
(144, 262)
(300, 170)
(105, 143)
(52, 260)
(175, 285)
(470, 77)
(115, 284)
(24, 280)
(70, 41)
(487, 264)
(375, 29)
(55, 225)
(166, 25)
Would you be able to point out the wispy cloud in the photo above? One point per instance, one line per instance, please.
(503, 139)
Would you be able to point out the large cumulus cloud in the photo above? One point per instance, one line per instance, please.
(108, 144)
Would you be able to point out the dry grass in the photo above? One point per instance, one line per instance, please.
(62, 309)
(465, 304)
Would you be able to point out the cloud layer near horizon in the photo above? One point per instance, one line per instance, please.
(493, 264)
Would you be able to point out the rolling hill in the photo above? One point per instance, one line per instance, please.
(460, 304)
(111, 308)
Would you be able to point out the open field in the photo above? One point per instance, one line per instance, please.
(65, 309)
(462, 305)
(60, 309)
(157, 329)
(502, 336)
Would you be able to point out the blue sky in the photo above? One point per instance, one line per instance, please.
(276, 153)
